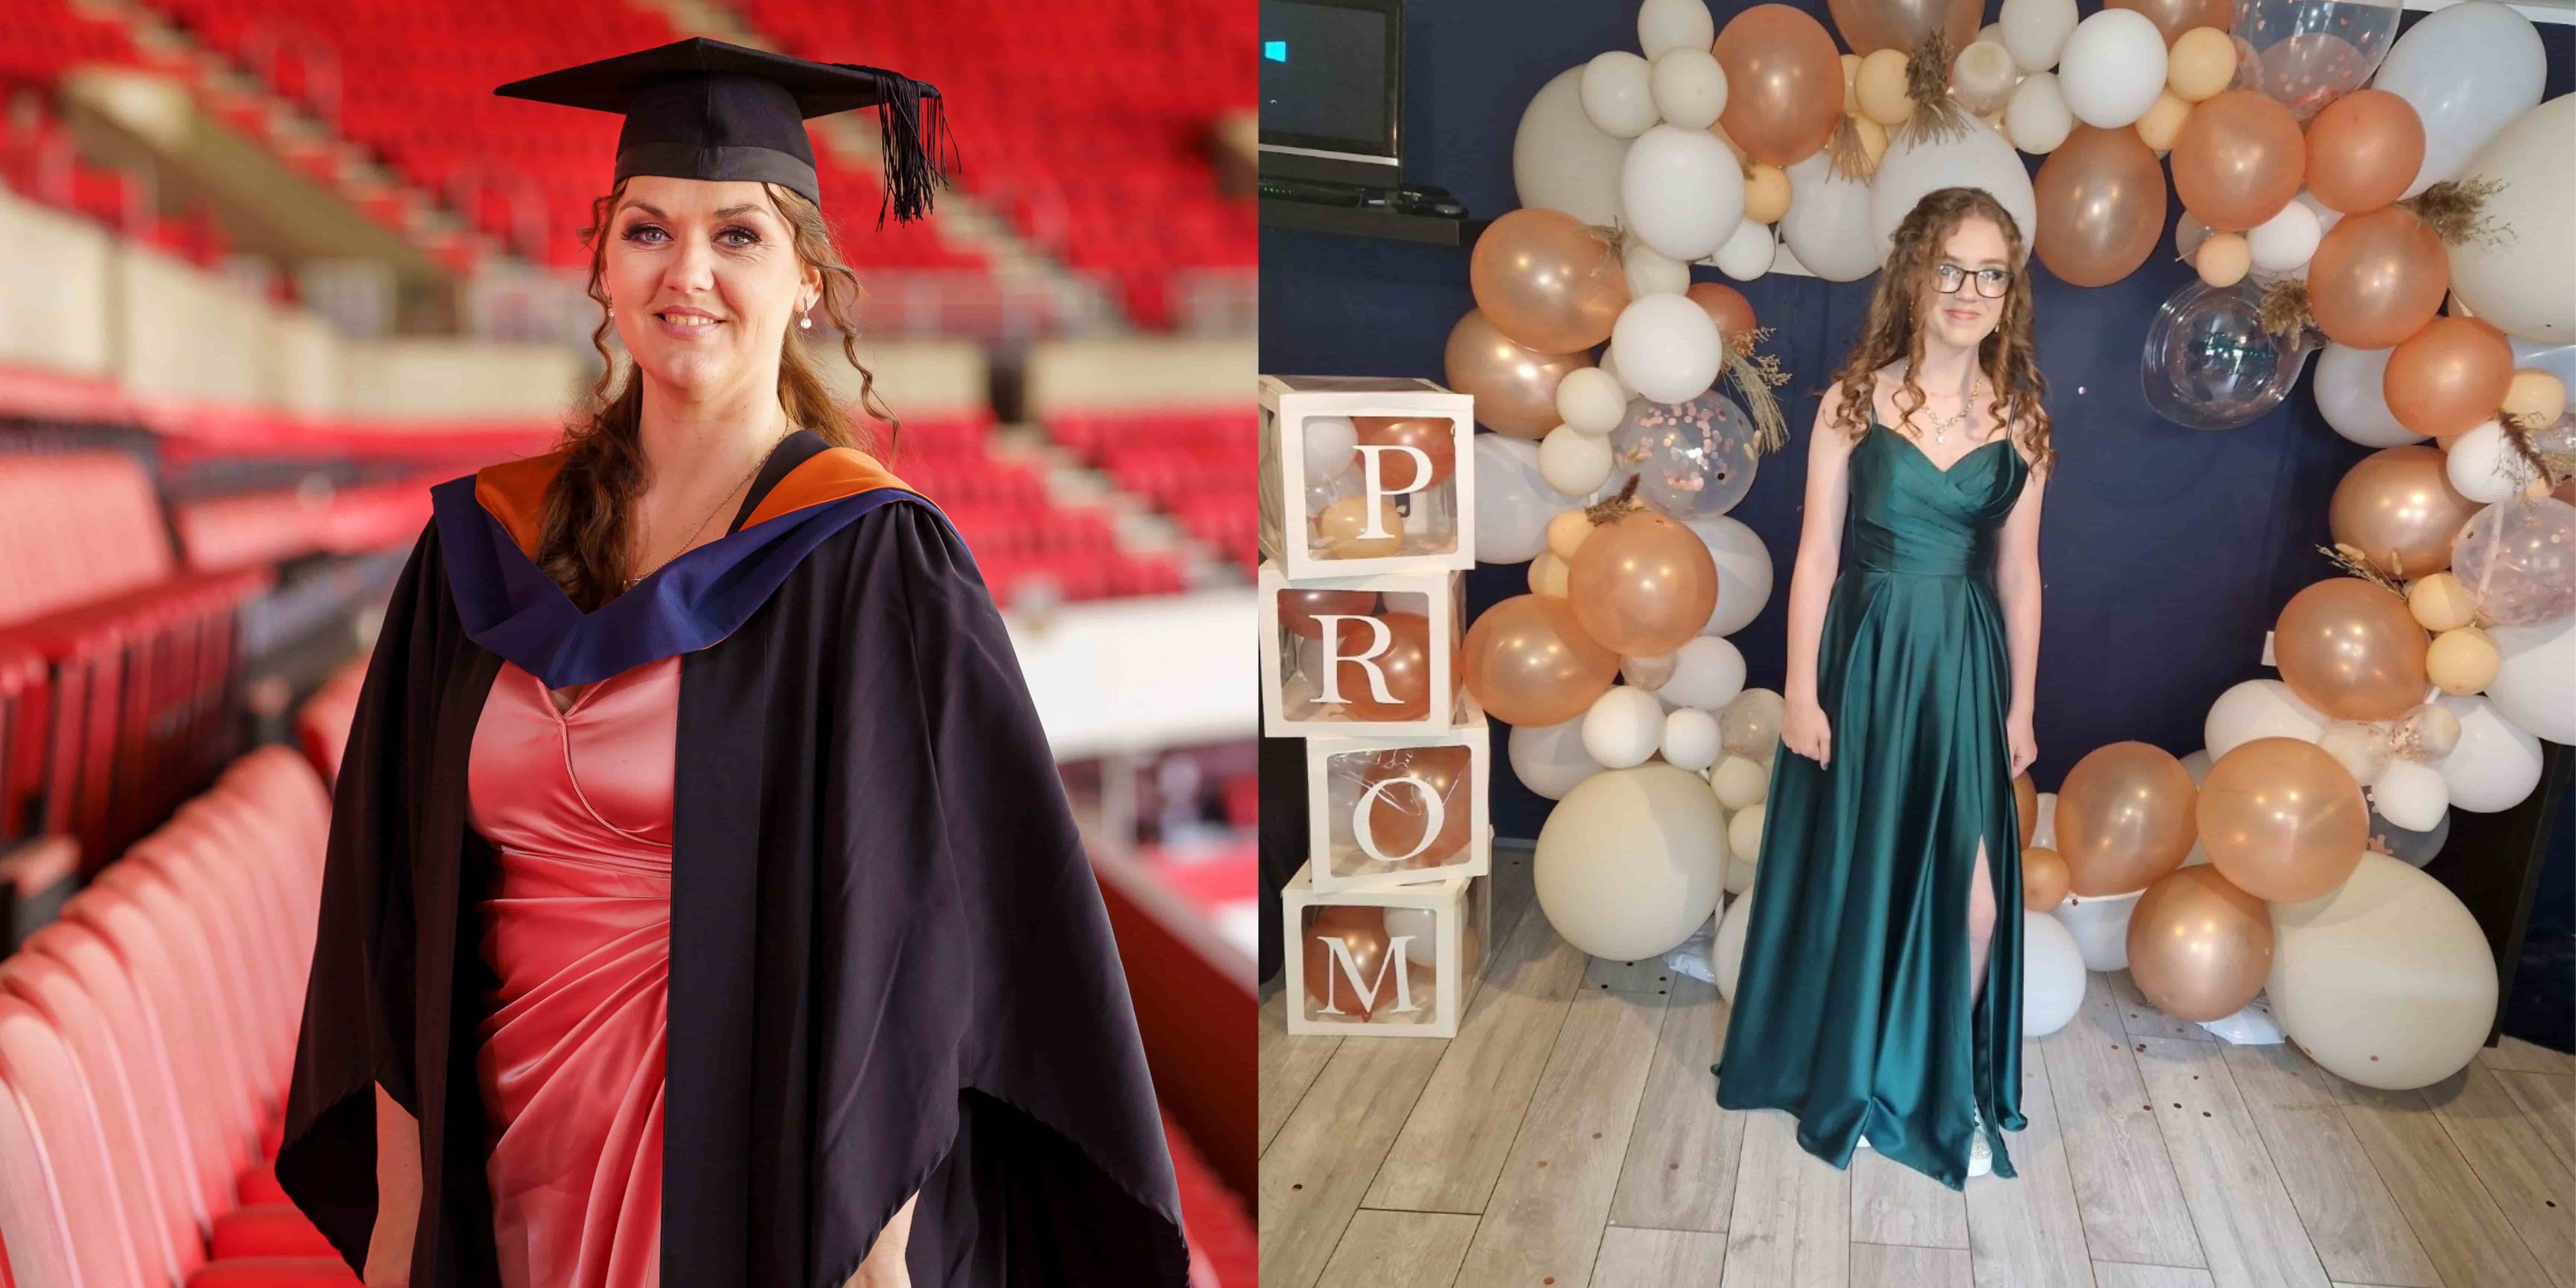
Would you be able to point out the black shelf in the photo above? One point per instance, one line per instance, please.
(1370, 221)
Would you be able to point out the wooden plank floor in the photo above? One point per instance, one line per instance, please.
(1569, 1137)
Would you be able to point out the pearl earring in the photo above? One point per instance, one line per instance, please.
(807, 323)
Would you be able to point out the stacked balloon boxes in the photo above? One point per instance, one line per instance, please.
(1367, 530)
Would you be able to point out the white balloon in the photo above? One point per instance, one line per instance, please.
(1550, 759)
(2197, 765)
(1689, 87)
(1683, 192)
(1590, 401)
(2052, 975)
(1627, 865)
(1690, 739)
(1743, 572)
(1727, 954)
(2468, 71)
(1573, 462)
(2036, 31)
(2258, 709)
(2100, 925)
(1650, 273)
(2388, 981)
(1666, 25)
(2283, 243)
(1744, 835)
(2535, 684)
(1827, 226)
(1747, 255)
(1331, 443)
(2411, 794)
(1561, 160)
(2112, 68)
(2497, 762)
(1513, 500)
(1624, 727)
(1618, 94)
(1740, 782)
(2035, 117)
(1977, 158)
(1669, 349)
(2480, 466)
(2523, 280)
(1609, 363)
(1707, 673)
(2351, 395)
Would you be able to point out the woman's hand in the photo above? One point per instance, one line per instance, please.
(874, 1273)
(2024, 743)
(1804, 730)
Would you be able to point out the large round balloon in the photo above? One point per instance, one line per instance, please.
(2238, 160)
(1550, 759)
(1561, 160)
(2351, 650)
(2363, 150)
(2100, 927)
(1642, 584)
(2199, 947)
(2101, 199)
(1682, 192)
(2388, 982)
(1514, 385)
(1527, 661)
(2112, 69)
(1669, 350)
(1547, 281)
(1872, 25)
(1784, 83)
(2448, 377)
(1827, 226)
(2209, 363)
(2535, 683)
(1976, 158)
(2308, 53)
(1513, 501)
(1691, 460)
(2349, 396)
(2495, 764)
(2283, 819)
(1628, 864)
(2124, 817)
(2524, 279)
(2254, 709)
(2468, 70)
(2052, 974)
(2397, 507)
(2376, 277)
(1743, 572)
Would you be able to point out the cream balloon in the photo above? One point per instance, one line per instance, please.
(1827, 226)
(1690, 739)
(1744, 835)
(2411, 795)
(1767, 195)
(1879, 87)
(2439, 602)
(2035, 31)
(1666, 25)
(2035, 117)
(1739, 782)
(2481, 466)
(1748, 253)
(1707, 673)
(2497, 762)
(2162, 122)
(2112, 68)
(1669, 348)
(2223, 259)
(1627, 865)
(1550, 759)
(2468, 71)
(1624, 727)
(1547, 575)
(2258, 709)
(2387, 982)
(1743, 572)
(1689, 88)
(2350, 396)
(1573, 462)
(2200, 65)
(1590, 401)
(2535, 678)
(1618, 94)
(1561, 160)
(1726, 955)
(2524, 281)
(1683, 192)
(1652, 273)
(2100, 927)
(2052, 975)
(2463, 660)
(1739, 878)
(1975, 158)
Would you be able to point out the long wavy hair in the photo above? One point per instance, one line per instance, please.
(1894, 331)
(582, 534)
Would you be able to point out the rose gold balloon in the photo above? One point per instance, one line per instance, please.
(1547, 281)
(1514, 386)
(2363, 151)
(1400, 816)
(1724, 305)
(1297, 608)
(2199, 948)
(1406, 663)
(2174, 17)
(1642, 584)
(1433, 437)
(2377, 277)
(1361, 928)
(2101, 199)
(2283, 819)
(2397, 506)
(2449, 377)
(2238, 160)
(1784, 83)
(2351, 650)
(1872, 25)
(1528, 661)
(2124, 818)
(2043, 878)
(2026, 806)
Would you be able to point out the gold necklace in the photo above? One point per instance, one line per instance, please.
(692, 538)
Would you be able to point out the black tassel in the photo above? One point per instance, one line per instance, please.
(912, 135)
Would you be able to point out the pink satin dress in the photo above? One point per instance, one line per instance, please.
(578, 805)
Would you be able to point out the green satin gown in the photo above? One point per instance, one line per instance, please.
(1852, 1005)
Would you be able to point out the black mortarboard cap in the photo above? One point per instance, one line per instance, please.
(704, 109)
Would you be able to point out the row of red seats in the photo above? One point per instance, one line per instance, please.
(39, 161)
(146, 1042)
(270, 527)
(1196, 464)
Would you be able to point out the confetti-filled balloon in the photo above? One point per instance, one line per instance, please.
(1691, 459)
(2308, 53)
(2518, 560)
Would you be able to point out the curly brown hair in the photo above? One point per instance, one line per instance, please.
(582, 532)
(1892, 330)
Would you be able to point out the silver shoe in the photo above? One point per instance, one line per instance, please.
(1981, 1154)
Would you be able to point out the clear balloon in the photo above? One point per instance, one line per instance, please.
(2517, 559)
(2209, 363)
(2308, 53)
(2404, 844)
(1690, 459)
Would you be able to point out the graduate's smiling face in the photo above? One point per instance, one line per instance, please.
(1973, 260)
(705, 280)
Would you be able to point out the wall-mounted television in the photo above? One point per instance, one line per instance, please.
(1332, 91)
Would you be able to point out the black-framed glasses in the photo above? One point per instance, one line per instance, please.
(1991, 282)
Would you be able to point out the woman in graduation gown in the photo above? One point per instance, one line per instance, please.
(731, 844)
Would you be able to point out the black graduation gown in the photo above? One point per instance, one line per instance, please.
(890, 966)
